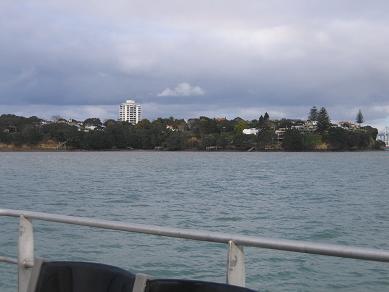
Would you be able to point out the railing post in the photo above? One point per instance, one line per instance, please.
(236, 274)
(25, 253)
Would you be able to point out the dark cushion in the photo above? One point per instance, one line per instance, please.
(83, 277)
(167, 285)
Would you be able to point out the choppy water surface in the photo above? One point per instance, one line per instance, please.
(324, 197)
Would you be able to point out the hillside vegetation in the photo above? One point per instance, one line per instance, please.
(201, 133)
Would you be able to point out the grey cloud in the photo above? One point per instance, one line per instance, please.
(280, 56)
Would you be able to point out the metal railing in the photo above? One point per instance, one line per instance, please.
(235, 257)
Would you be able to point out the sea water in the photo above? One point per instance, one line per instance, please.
(340, 198)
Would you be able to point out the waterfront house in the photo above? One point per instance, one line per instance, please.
(251, 131)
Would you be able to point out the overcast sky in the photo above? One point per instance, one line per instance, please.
(189, 58)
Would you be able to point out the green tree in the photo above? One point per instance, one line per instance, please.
(323, 121)
(61, 132)
(285, 123)
(176, 141)
(93, 122)
(244, 142)
(224, 140)
(209, 140)
(31, 135)
(261, 122)
(224, 126)
(207, 126)
(238, 129)
(311, 141)
(16, 123)
(338, 139)
(293, 140)
(96, 140)
(265, 137)
(373, 132)
(359, 118)
(109, 122)
(313, 114)
(120, 134)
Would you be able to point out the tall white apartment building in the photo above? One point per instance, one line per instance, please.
(130, 112)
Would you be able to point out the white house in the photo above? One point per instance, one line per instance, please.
(251, 131)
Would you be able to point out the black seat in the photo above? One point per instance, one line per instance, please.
(94, 277)
(167, 285)
(82, 277)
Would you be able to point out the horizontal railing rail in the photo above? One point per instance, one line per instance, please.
(8, 260)
(261, 242)
(234, 241)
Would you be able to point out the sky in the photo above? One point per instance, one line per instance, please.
(219, 58)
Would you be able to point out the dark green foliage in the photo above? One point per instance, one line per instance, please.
(224, 126)
(261, 122)
(373, 132)
(5, 138)
(224, 140)
(210, 140)
(206, 125)
(285, 123)
(93, 122)
(173, 134)
(340, 139)
(120, 134)
(323, 121)
(176, 141)
(109, 122)
(293, 140)
(61, 132)
(239, 126)
(16, 123)
(313, 114)
(253, 124)
(31, 135)
(265, 137)
(96, 140)
(359, 118)
(311, 141)
(244, 142)
(203, 126)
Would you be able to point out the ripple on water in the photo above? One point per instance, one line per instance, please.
(324, 197)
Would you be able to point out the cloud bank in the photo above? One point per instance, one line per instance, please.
(280, 56)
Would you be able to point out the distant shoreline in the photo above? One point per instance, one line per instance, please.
(186, 150)
(203, 134)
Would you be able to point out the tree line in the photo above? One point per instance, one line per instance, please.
(194, 134)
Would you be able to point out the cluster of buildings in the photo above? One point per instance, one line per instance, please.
(305, 127)
(81, 126)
